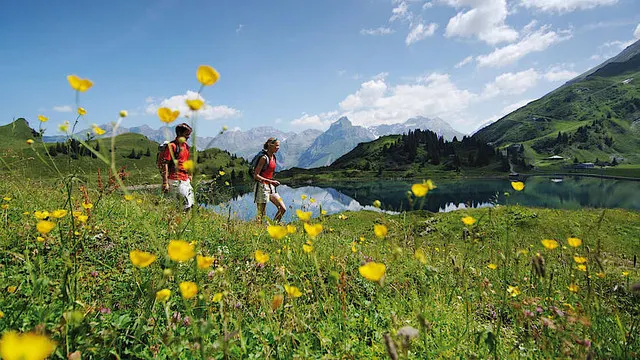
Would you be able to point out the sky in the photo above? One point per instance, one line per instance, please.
(300, 64)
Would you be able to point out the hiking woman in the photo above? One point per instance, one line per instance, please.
(265, 188)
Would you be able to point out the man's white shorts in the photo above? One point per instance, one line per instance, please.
(183, 191)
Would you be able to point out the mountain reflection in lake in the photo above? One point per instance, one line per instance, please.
(571, 193)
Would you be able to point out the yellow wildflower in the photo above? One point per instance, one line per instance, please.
(195, 104)
(573, 288)
(420, 255)
(98, 130)
(43, 118)
(217, 297)
(372, 271)
(303, 215)
(312, 200)
(60, 213)
(292, 291)
(25, 346)
(11, 289)
(468, 220)
(1, 314)
(291, 229)
(420, 190)
(204, 262)
(323, 212)
(79, 84)
(261, 257)
(625, 273)
(377, 203)
(163, 295)
(123, 113)
(492, 266)
(128, 197)
(82, 111)
(303, 197)
(5, 206)
(6, 198)
(87, 206)
(29, 141)
(141, 259)
(380, 230)
(579, 259)
(574, 242)
(312, 230)
(353, 247)
(188, 165)
(517, 185)
(549, 244)
(221, 173)
(188, 289)
(139, 201)
(307, 248)
(582, 268)
(600, 275)
(207, 75)
(430, 184)
(513, 291)
(277, 231)
(64, 127)
(45, 226)
(82, 218)
(180, 250)
(167, 116)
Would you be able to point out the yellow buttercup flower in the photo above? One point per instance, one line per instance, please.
(82, 218)
(292, 291)
(207, 75)
(517, 185)
(41, 215)
(98, 130)
(303, 197)
(39, 239)
(420, 255)
(141, 259)
(180, 250)
(225, 128)
(291, 229)
(625, 273)
(492, 266)
(82, 111)
(513, 291)
(579, 259)
(25, 346)
(377, 203)
(60, 213)
(380, 230)
(123, 113)
(353, 247)
(323, 212)
(312, 200)
(1, 314)
(79, 84)
(573, 288)
(574, 242)
(163, 295)
(430, 184)
(128, 197)
(312, 230)
(307, 248)
(44, 226)
(87, 206)
(167, 116)
(420, 190)
(194, 104)
(261, 257)
(188, 289)
(5, 206)
(64, 127)
(217, 297)
(6, 198)
(373, 271)
(43, 118)
(204, 262)
(304, 215)
(600, 275)
(468, 220)
(277, 231)
(582, 267)
(549, 244)
(29, 141)
(189, 165)
(221, 173)
(11, 289)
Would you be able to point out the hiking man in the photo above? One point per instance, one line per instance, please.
(264, 166)
(175, 178)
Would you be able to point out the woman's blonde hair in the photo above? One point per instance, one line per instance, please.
(269, 141)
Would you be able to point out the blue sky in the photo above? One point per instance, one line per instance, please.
(301, 64)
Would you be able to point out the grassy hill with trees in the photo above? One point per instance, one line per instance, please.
(596, 120)
(135, 154)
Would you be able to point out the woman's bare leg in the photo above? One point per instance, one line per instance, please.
(277, 201)
(261, 209)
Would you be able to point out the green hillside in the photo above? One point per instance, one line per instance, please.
(593, 120)
(133, 152)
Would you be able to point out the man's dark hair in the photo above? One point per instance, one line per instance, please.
(183, 129)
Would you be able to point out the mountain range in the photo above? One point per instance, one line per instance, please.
(307, 149)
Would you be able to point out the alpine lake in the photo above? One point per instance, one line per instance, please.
(566, 192)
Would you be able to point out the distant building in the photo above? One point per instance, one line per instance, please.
(555, 157)
(626, 81)
(584, 166)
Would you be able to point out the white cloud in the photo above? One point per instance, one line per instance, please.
(561, 6)
(485, 20)
(379, 31)
(239, 28)
(558, 74)
(321, 121)
(419, 32)
(207, 112)
(636, 33)
(401, 12)
(515, 106)
(464, 62)
(427, 5)
(63, 108)
(511, 83)
(538, 40)
(367, 95)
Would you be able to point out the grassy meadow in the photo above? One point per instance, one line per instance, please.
(91, 270)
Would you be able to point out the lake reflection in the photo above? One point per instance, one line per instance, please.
(567, 193)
